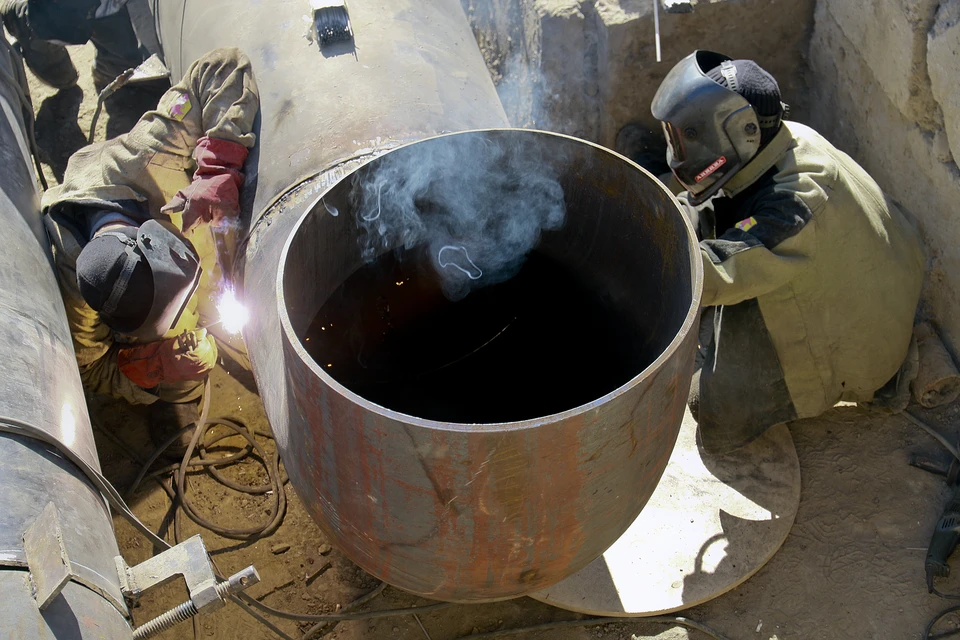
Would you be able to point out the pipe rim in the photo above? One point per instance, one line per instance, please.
(651, 369)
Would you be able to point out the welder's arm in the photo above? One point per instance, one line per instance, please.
(188, 356)
(762, 253)
(217, 101)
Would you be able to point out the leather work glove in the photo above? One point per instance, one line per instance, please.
(214, 194)
(189, 356)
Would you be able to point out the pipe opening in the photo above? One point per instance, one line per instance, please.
(430, 318)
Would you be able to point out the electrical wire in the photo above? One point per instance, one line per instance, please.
(933, 432)
(936, 619)
(946, 596)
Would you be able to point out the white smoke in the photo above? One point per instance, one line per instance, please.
(476, 207)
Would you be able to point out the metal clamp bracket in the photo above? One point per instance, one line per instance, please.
(190, 560)
(50, 568)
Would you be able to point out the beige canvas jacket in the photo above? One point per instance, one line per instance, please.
(835, 266)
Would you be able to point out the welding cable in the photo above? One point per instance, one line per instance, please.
(944, 634)
(946, 596)
(250, 604)
(273, 487)
(592, 622)
(933, 432)
(113, 498)
(359, 602)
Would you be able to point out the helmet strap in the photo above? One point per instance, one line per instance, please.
(729, 72)
(130, 262)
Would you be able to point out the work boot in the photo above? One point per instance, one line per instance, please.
(715, 438)
(168, 418)
(894, 396)
(117, 48)
(48, 61)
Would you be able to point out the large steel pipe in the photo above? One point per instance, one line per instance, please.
(446, 509)
(40, 392)
(471, 512)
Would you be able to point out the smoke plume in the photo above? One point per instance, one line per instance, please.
(476, 207)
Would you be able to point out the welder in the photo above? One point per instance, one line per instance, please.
(811, 275)
(135, 229)
(43, 27)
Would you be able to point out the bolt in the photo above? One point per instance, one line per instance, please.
(237, 582)
(161, 623)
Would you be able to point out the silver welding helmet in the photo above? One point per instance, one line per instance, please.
(711, 131)
(175, 269)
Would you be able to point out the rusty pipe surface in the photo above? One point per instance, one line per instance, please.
(447, 510)
(482, 512)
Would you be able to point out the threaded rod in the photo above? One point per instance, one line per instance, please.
(161, 623)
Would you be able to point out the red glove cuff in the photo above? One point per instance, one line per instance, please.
(219, 157)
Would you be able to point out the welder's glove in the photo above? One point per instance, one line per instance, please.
(214, 194)
(189, 356)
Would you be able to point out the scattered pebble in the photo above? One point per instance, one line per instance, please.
(277, 549)
(325, 549)
(396, 629)
(319, 571)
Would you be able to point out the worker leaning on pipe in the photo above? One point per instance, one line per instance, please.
(132, 233)
(42, 27)
(811, 275)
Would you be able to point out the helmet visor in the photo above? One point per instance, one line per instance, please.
(176, 274)
(704, 124)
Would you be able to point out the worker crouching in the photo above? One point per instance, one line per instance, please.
(135, 228)
(811, 275)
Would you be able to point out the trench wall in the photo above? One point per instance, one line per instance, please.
(588, 67)
(885, 82)
(879, 78)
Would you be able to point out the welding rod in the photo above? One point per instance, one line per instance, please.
(656, 26)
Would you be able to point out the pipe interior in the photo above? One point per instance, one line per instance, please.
(588, 308)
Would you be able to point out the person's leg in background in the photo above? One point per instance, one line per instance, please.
(49, 61)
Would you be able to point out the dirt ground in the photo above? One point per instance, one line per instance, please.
(852, 566)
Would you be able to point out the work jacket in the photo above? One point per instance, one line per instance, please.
(805, 234)
(136, 174)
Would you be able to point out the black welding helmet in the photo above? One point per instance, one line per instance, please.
(711, 130)
(139, 279)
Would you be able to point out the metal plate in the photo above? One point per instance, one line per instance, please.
(712, 523)
(46, 556)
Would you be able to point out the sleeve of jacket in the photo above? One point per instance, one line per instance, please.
(222, 96)
(217, 97)
(769, 246)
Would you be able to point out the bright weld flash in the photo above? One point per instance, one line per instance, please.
(233, 315)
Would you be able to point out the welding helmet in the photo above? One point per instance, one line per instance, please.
(139, 278)
(712, 131)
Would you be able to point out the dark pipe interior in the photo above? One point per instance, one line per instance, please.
(594, 303)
